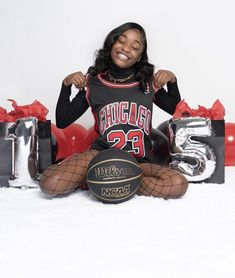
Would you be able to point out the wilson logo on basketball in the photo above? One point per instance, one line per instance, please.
(112, 172)
(115, 192)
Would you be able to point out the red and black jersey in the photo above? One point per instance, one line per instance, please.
(122, 112)
(123, 115)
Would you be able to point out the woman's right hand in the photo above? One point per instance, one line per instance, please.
(77, 79)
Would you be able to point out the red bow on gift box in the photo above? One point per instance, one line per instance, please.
(216, 112)
(36, 109)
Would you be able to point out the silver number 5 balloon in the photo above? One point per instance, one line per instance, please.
(196, 160)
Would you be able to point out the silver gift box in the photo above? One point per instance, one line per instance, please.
(195, 159)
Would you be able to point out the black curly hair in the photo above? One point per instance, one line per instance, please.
(143, 69)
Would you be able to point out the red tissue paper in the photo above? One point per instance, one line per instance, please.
(36, 109)
(216, 112)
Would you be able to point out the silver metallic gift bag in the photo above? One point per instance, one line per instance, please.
(197, 148)
(6, 154)
(30, 152)
(24, 131)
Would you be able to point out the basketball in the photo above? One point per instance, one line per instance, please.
(113, 176)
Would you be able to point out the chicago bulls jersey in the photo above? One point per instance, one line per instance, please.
(123, 115)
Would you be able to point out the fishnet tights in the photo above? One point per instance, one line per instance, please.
(70, 174)
(162, 182)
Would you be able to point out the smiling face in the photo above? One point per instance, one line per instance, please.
(127, 49)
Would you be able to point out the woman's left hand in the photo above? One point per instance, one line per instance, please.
(161, 77)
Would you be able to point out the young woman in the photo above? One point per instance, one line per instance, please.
(120, 88)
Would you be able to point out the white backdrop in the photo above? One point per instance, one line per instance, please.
(42, 41)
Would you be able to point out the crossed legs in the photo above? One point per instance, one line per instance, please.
(70, 174)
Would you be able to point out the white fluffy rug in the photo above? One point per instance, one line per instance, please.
(77, 236)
